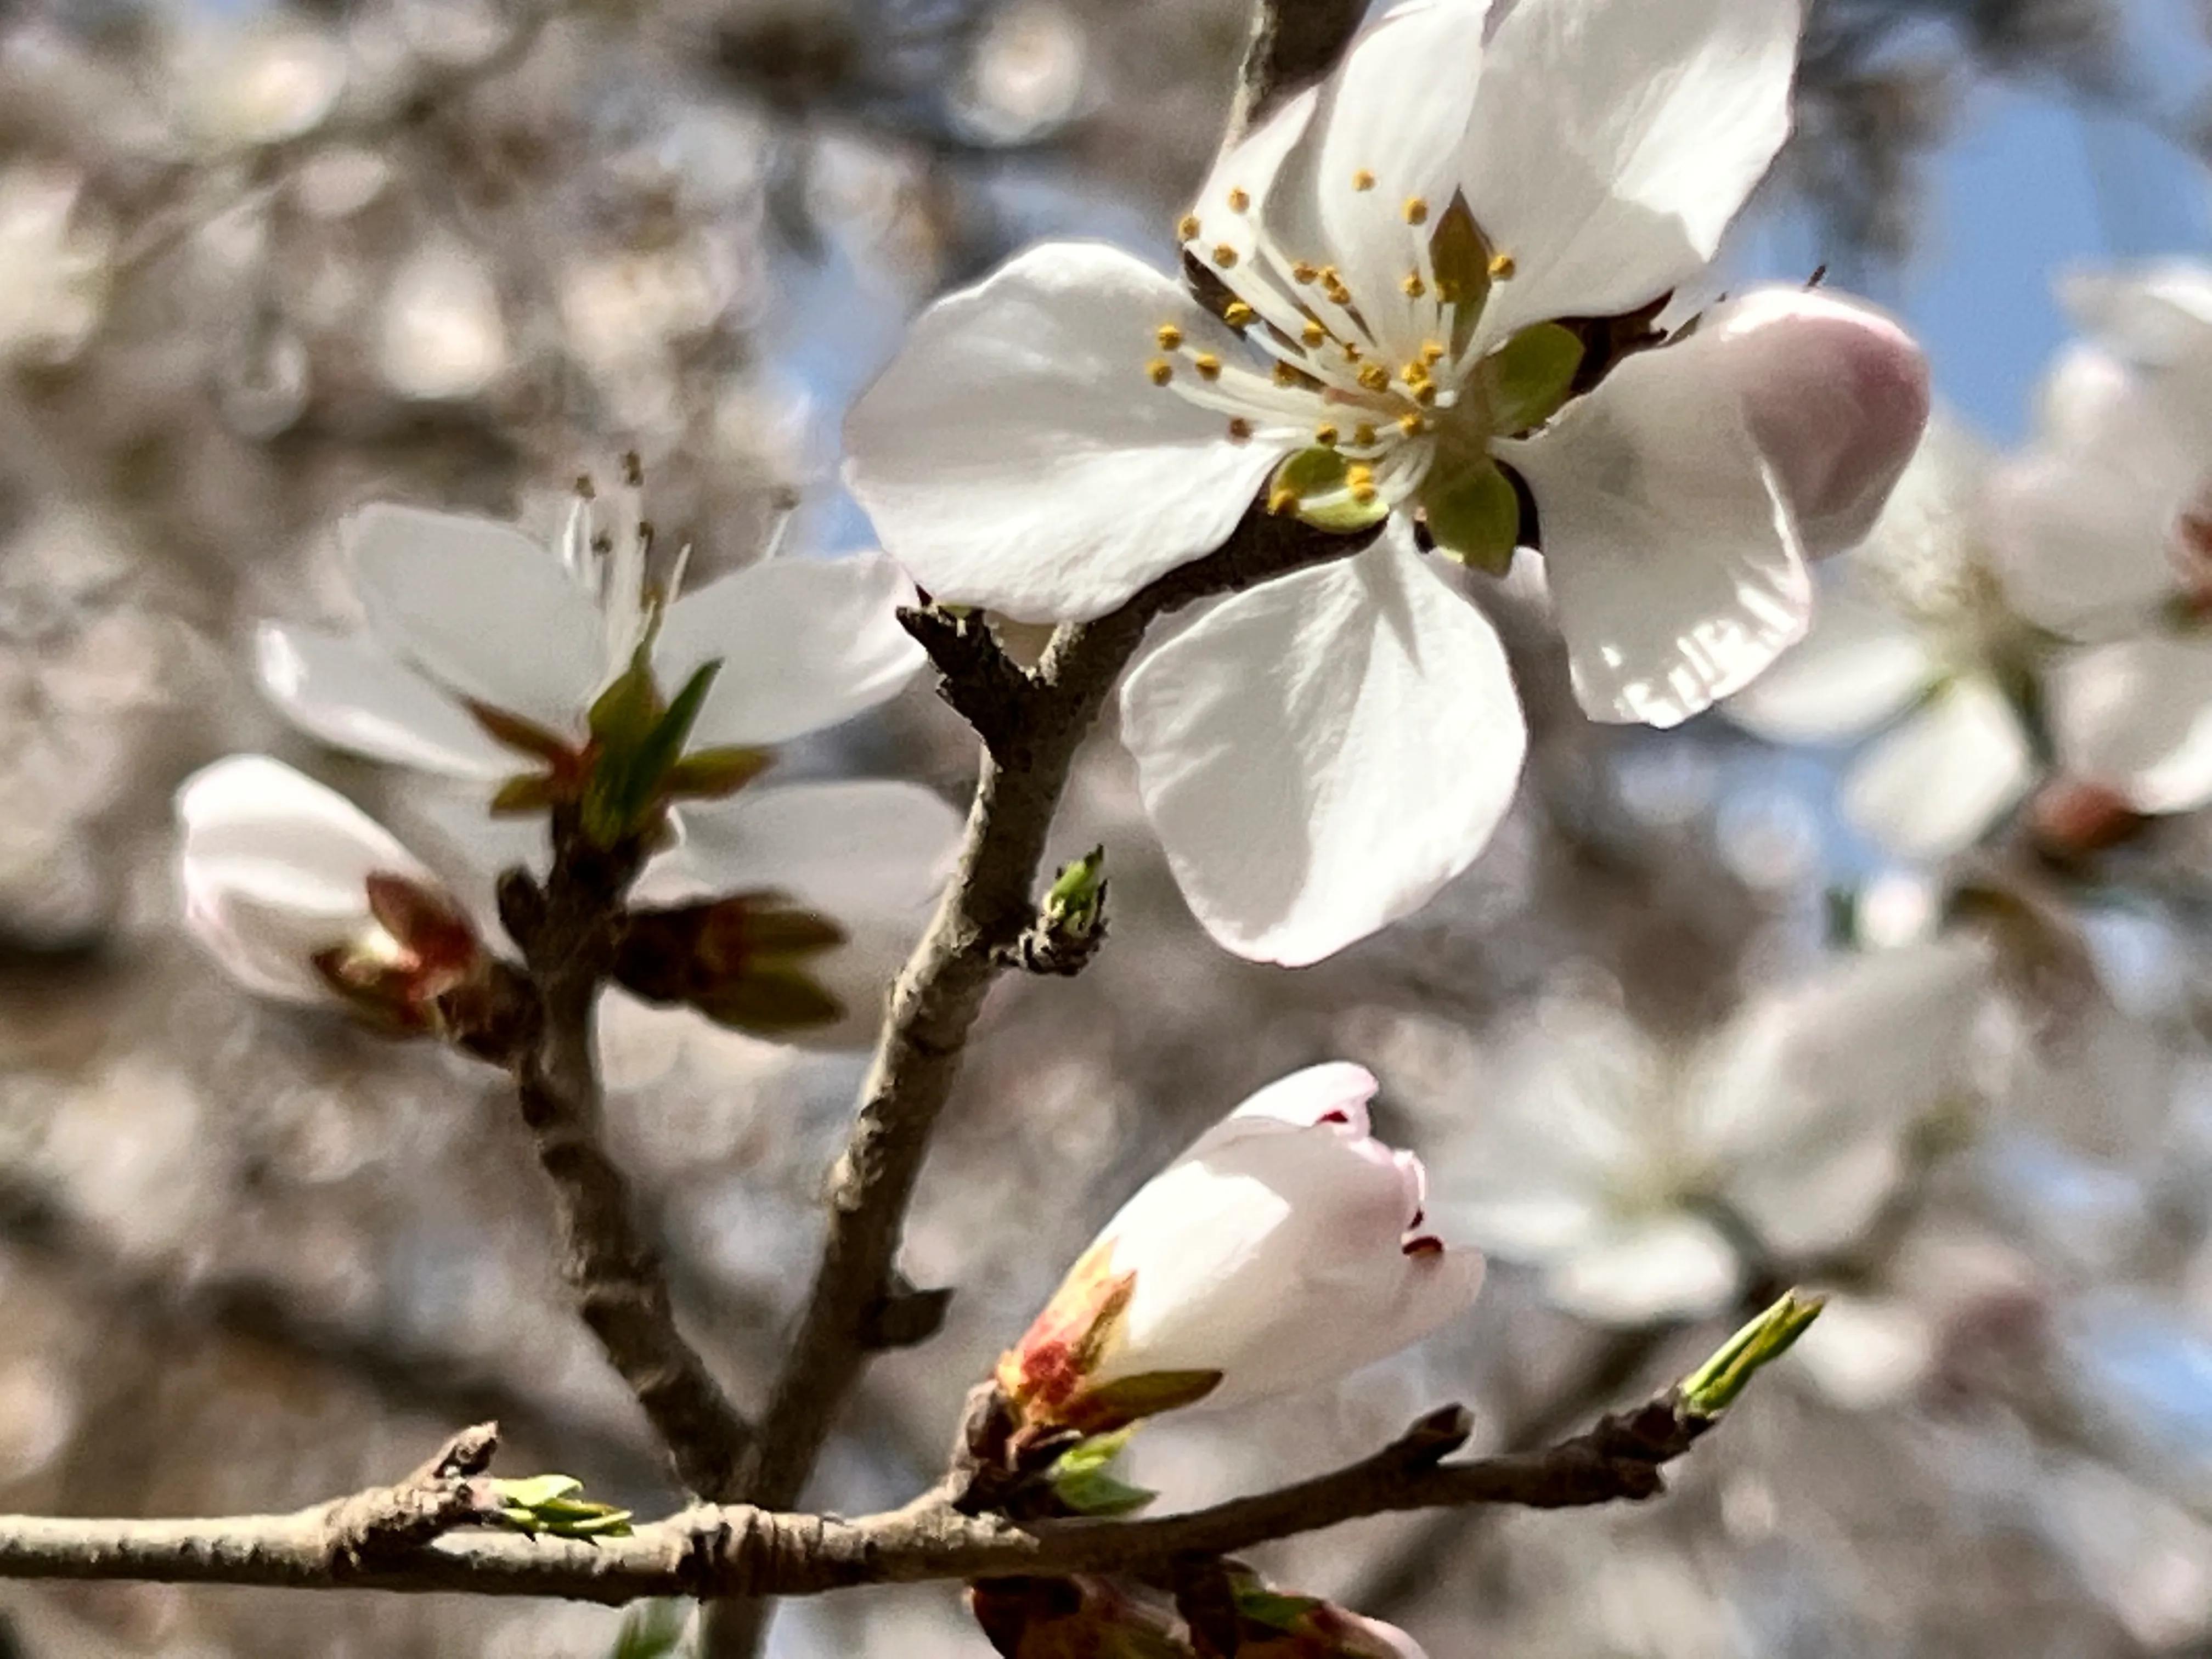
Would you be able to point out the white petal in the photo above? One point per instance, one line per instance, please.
(1613, 141)
(2155, 314)
(274, 868)
(1941, 780)
(1372, 131)
(1306, 1099)
(2136, 716)
(482, 608)
(804, 643)
(347, 691)
(1674, 560)
(1857, 667)
(1835, 393)
(1015, 455)
(868, 844)
(1670, 1266)
(1322, 754)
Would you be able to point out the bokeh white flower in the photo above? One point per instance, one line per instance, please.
(1651, 1178)
(1378, 340)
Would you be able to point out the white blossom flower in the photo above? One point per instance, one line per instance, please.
(1402, 269)
(475, 629)
(1914, 640)
(300, 896)
(2106, 524)
(1638, 1174)
(1284, 1249)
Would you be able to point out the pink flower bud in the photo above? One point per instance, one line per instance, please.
(1284, 1249)
(300, 896)
(1836, 396)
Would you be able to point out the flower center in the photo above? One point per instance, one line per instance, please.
(1379, 394)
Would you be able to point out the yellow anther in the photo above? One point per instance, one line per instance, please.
(1223, 255)
(1169, 336)
(1417, 210)
(1425, 394)
(1313, 334)
(1364, 494)
(1502, 267)
(1363, 179)
(1240, 430)
(1187, 227)
(1327, 434)
(1358, 473)
(1282, 498)
(1414, 286)
(1160, 371)
(1286, 375)
(1362, 437)
(1351, 349)
(1303, 272)
(1238, 201)
(1413, 425)
(1207, 365)
(1374, 377)
(1237, 313)
(1414, 373)
(1432, 353)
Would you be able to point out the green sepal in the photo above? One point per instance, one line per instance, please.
(1530, 375)
(1128, 1398)
(1313, 471)
(770, 1001)
(627, 709)
(1342, 515)
(1085, 1485)
(637, 755)
(1474, 516)
(522, 797)
(525, 737)
(1271, 1610)
(1317, 477)
(1714, 1385)
(714, 774)
(1459, 255)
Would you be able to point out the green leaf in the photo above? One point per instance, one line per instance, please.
(1078, 894)
(640, 741)
(1081, 1480)
(527, 737)
(554, 1504)
(629, 708)
(520, 797)
(1474, 516)
(531, 1490)
(1714, 1385)
(1272, 1609)
(771, 1001)
(1530, 376)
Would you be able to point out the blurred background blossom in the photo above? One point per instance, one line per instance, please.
(263, 263)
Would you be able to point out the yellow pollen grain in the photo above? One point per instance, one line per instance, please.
(1237, 313)
(1313, 334)
(1240, 430)
(1187, 227)
(1414, 286)
(1282, 498)
(1432, 353)
(1207, 365)
(1223, 255)
(1326, 434)
(1169, 336)
(1362, 437)
(1413, 425)
(1417, 210)
(1502, 267)
(1160, 371)
(1363, 179)
(1238, 201)
(1303, 272)
(1374, 377)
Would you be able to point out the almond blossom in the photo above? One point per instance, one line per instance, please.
(1914, 640)
(1284, 1249)
(2106, 522)
(1650, 1180)
(300, 896)
(1421, 300)
(486, 653)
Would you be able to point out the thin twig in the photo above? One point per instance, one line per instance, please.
(739, 1551)
(610, 1263)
